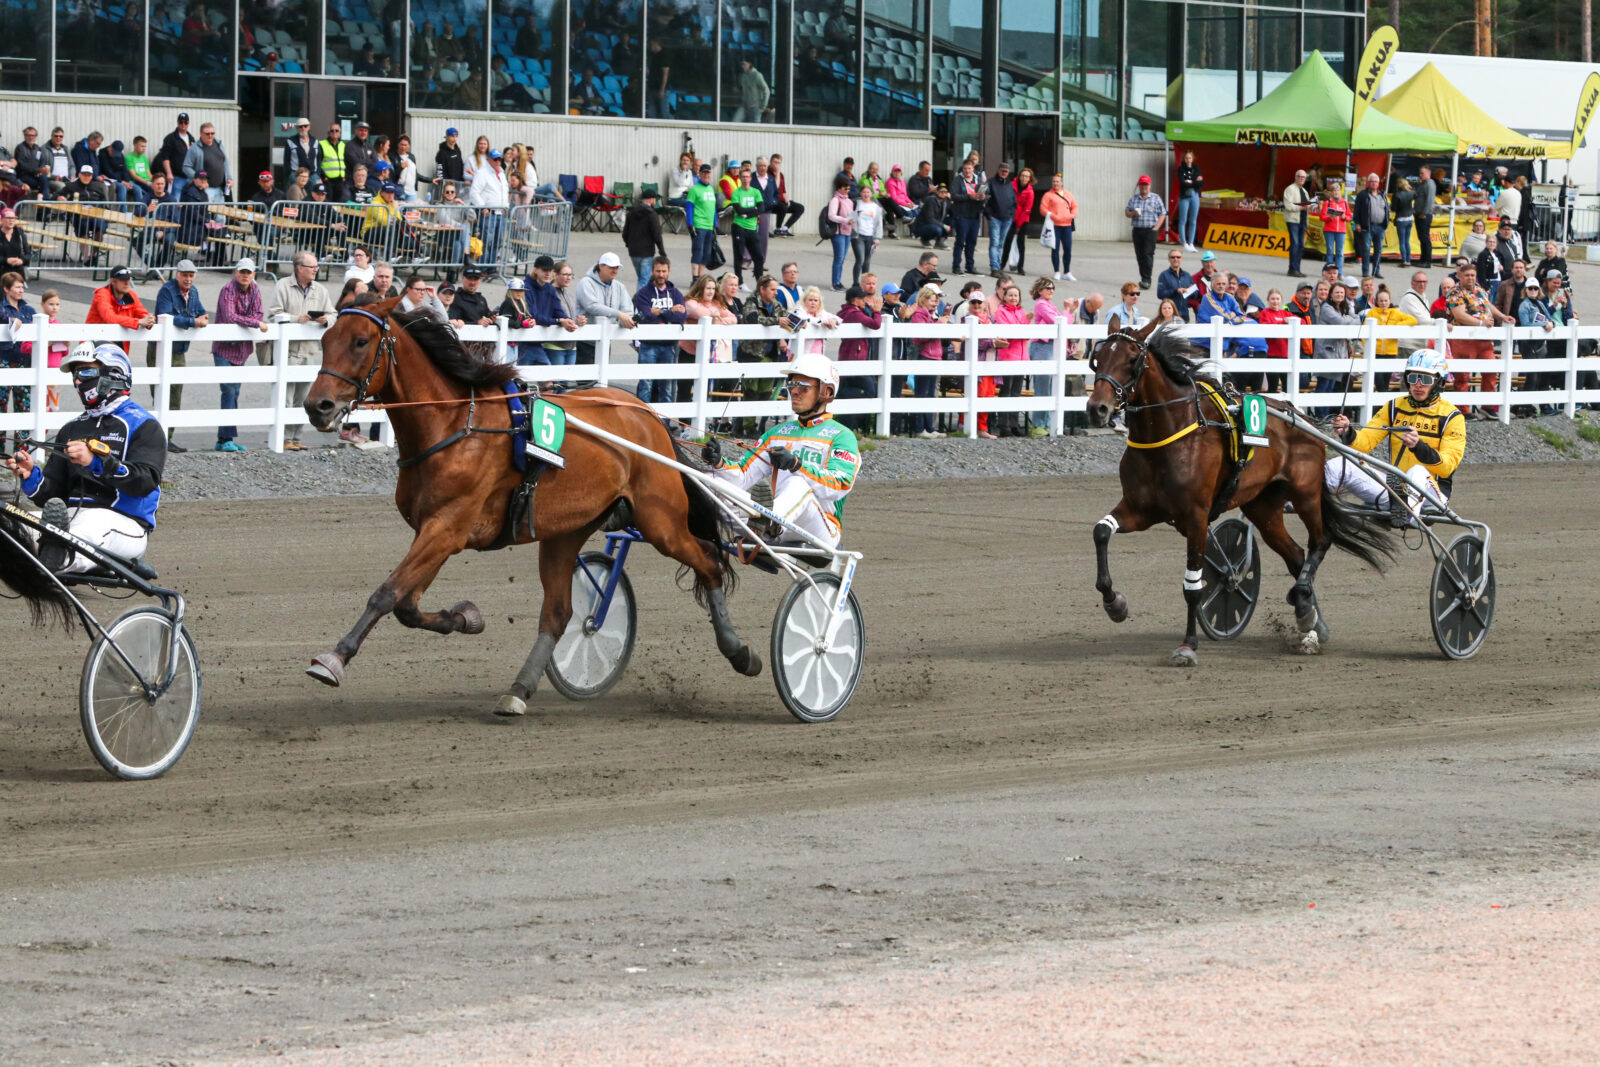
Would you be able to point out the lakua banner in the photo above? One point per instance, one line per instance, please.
(1588, 100)
(1381, 47)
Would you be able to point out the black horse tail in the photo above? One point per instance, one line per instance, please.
(707, 524)
(21, 573)
(1366, 538)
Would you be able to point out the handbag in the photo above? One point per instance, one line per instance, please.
(1047, 233)
(714, 257)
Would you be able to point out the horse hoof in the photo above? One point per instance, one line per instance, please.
(327, 668)
(469, 620)
(1117, 608)
(511, 706)
(746, 662)
(1184, 656)
(1310, 644)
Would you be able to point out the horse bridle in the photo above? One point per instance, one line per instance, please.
(1122, 390)
(386, 349)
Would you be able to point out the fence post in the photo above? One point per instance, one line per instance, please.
(971, 353)
(1216, 340)
(502, 346)
(1058, 402)
(1508, 346)
(41, 361)
(163, 388)
(1369, 351)
(1291, 386)
(280, 384)
(602, 354)
(1442, 346)
(1572, 369)
(885, 377)
(702, 359)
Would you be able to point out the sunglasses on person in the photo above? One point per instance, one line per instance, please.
(1417, 377)
(801, 384)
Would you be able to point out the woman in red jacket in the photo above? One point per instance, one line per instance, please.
(1335, 214)
(1022, 216)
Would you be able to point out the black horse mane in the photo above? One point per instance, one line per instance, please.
(440, 344)
(1179, 359)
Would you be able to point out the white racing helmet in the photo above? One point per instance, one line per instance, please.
(818, 366)
(1428, 361)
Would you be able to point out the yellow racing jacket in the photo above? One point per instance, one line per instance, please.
(1441, 426)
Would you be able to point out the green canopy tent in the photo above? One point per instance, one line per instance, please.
(1311, 108)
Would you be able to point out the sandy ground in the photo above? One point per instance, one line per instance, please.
(1026, 839)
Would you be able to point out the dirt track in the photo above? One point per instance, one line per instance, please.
(422, 851)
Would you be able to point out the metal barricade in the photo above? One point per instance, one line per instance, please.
(212, 235)
(541, 229)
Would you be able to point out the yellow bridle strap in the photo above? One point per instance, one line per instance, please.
(1185, 432)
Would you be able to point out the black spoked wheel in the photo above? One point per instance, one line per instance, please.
(132, 735)
(589, 659)
(1462, 605)
(816, 676)
(1230, 579)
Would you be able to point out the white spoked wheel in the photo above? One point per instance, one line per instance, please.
(815, 679)
(589, 659)
(131, 735)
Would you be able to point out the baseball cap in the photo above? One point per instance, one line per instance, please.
(891, 289)
(246, 264)
(383, 165)
(1349, 281)
(976, 297)
(648, 194)
(1303, 286)
(704, 167)
(1002, 165)
(495, 153)
(452, 132)
(202, 174)
(320, 187)
(1246, 282)
(473, 271)
(733, 164)
(1531, 283)
(514, 283)
(362, 125)
(1553, 273)
(185, 266)
(121, 273)
(932, 279)
(1144, 179)
(1208, 256)
(609, 259)
(388, 187)
(86, 169)
(544, 263)
(855, 292)
(302, 121)
(183, 116)
(264, 175)
(446, 288)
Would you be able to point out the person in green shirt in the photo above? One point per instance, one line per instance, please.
(748, 204)
(702, 197)
(812, 459)
(137, 163)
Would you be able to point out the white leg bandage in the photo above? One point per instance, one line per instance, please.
(1111, 523)
(1191, 579)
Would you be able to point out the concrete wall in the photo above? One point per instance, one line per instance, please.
(640, 152)
(115, 117)
(1102, 175)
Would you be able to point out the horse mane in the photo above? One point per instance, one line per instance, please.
(1181, 360)
(445, 351)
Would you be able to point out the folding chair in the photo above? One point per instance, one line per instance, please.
(600, 205)
(568, 184)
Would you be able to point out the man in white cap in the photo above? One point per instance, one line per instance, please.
(102, 482)
(811, 458)
(601, 296)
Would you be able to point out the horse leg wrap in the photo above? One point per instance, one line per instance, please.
(740, 655)
(516, 701)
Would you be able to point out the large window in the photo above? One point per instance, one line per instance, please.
(363, 39)
(681, 60)
(1335, 37)
(895, 45)
(100, 47)
(526, 72)
(826, 63)
(1211, 74)
(749, 62)
(287, 27)
(957, 52)
(607, 62)
(1270, 54)
(191, 52)
(1154, 71)
(1026, 79)
(1090, 80)
(447, 52)
(25, 29)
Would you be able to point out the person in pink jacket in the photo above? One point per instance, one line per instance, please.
(704, 301)
(1020, 218)
(897, 203)
(1011, 313)
(842, 214)
(929, 309)
(1044, 385)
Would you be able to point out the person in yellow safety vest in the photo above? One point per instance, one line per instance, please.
(1429, 448)
(330, 164)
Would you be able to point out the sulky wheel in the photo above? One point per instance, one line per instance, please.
(1230, 578)
(133, 736)
(588, 659)
(1461, 620)
(815, 681)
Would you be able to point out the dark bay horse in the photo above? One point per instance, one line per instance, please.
(457, 477)
(1178, 469)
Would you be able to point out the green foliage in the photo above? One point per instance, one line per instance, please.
(1551, 438)
(1524, 29)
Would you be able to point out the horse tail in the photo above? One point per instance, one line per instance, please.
(707, 524)
(21, 573)
(1366, 538)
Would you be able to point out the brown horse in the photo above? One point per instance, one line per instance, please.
(1178, 469)
(452, 426)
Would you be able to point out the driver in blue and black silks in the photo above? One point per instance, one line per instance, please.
(102, 482)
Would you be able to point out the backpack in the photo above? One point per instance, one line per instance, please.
(826, 227)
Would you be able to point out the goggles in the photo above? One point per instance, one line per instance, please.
(801, 383)
(81, 373)
(1417, 377)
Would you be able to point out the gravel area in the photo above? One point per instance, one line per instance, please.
(343, 471)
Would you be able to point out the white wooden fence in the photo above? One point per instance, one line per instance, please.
(616, 364)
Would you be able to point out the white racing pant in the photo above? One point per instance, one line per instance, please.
(1342, 473)
(107, 529)
(797, 506)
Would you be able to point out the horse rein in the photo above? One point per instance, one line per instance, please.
(1124, 392)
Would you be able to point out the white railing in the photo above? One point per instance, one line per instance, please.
(1067, 359)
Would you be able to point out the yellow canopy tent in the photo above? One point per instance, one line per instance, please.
(1429, 100)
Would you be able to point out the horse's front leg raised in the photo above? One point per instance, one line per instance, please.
(439, 539)
(1121, 518)
(1198, 530)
